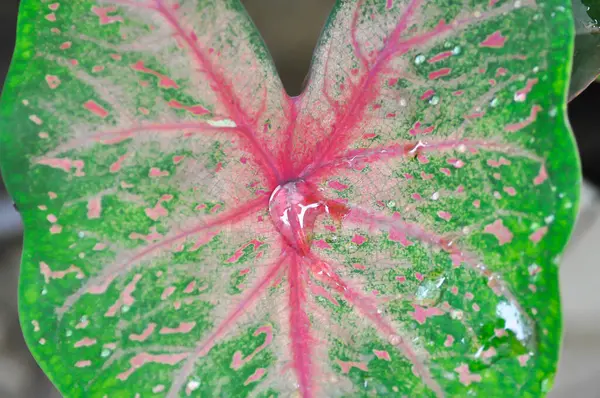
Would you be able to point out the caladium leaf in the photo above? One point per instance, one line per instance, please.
(586, 57)
(190, 230)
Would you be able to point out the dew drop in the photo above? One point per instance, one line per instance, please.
(394, 339)
(517, 4)
(69, 333)
(434, 100)
(105, 353)
(403, 102)
(494, 102)
(125, 308)
(429, 292)
(81, 234)
(435, 196)
(456, 50)
(44, 291)
(193, 385)
(553, 111)
(391, 204)
(419, 59)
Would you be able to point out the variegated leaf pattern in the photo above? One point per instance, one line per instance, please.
(191, 230)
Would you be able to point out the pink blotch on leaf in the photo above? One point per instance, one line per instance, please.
(321, 244)
(256, 376)
(156, 172)
(465, 376)
(143, 358)
(83, 364)
(94, 207)
(541, 177)
(105, 19)
(85, 342)
(145, 333)
(338, 186)
(495, 40)
(449, 341)
(439, 73)
(382, 355)
(52, 81)
(347, 365)
(183, 327)
(538, 234)
(444, 215)
(523, 359)
(421, 314)
(358, 239)
(501, 233)
(96, 109)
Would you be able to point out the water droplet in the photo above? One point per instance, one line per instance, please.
(517, 4)
(394, 339)
(435, 196)
(391, 204)
(553, 111)
(549, 219)
(44, 291)
(193, 385)
(494, 102)
(429, 292)
(536, 69)
(419, 59)
(105, 353)
(456, 50)
(447, 44)
(81, 234)
(568, 205)
(69, 333)
(434, 100)
(403, 102)
(125, 308)
(465, 230)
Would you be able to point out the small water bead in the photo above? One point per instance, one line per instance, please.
(394, 339)
(391, 204)
(435, 196)
(81, 234)
(403, 102)
(419, 59)
(193, 385)
(69, 333)
(44, 291)
(429, 292)
(456, 50)
(105, 353)
(553, 111)
(494, 102)
(434, 100)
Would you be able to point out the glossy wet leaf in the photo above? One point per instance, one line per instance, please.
(586, 58)
(190, 230)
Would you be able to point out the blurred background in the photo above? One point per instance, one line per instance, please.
(290, 29)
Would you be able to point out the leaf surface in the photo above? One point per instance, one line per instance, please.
(190, 230)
